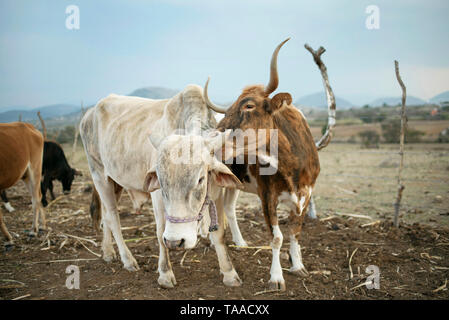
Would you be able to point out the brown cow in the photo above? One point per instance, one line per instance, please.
(21, 152)
(297, 164)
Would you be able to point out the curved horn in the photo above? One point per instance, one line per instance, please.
(209, 103)
(274, 79)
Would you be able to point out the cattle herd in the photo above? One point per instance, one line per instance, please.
(193, 168)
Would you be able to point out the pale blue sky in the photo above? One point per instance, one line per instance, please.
(126, 44)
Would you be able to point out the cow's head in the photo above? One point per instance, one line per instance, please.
(67, 179)
(184, 168)
(254, 108)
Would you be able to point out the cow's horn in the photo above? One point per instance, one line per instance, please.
(274, 79)
(209, 103)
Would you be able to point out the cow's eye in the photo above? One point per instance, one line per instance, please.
(250, 106)
(201, 180)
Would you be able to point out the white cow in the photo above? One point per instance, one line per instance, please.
(115, 134)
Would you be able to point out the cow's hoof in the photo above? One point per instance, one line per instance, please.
(167, 280)
(31, 234)
(301, 271)
(240, 243)
(131, 265)
(232, 282)
(9, 207)
(276, 285)
(109, 256)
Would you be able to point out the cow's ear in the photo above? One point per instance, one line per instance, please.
(151, 182)
(223, 176)
(279, 99)
(155, 139)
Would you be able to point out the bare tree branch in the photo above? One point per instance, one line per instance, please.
(401, 146)
(331, 105)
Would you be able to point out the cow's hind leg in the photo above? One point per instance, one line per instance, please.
(166, 276)
(6, 234)
(107, 190)
(231, 196)
(230, 276)
(32, 182)
(107, 245)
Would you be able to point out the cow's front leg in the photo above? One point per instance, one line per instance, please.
(269, 205)
(230, 201)
(296, 221)
(166, 276)
(107, 244)
(230, 276)
(277, 279)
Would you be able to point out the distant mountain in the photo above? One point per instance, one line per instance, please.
(154, 93)
(51, 111)
(394, 101)
(4, 109)
(319, 100)
(442, 97)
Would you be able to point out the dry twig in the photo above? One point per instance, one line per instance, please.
(350, 259)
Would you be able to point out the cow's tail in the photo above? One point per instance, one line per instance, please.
(95, 210)
(331, 105)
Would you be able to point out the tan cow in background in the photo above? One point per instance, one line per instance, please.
(21, 152)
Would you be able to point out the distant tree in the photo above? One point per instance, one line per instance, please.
(66, 135)
(366, 106)
(369, 139)
(391, 131)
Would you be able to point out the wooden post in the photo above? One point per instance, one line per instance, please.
(401, 147)
(44, 128)
(75, 140)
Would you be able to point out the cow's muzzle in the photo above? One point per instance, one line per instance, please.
(174, 244)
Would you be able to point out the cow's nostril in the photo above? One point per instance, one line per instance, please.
(181, 243)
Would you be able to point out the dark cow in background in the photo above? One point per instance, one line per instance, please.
(54, 167)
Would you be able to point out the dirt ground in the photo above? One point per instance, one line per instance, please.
(354, 197)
